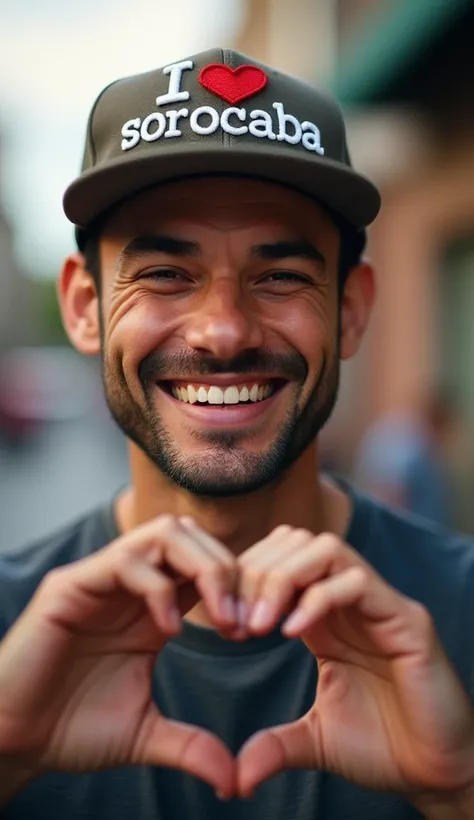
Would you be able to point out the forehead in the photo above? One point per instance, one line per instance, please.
(221, 204)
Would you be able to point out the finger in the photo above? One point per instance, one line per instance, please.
(318, 557)
(160, 545)
(257, 562)
(216, 549)
(211, 566)
(337, 592)
(176, 745)
(291, 746)
(159, 593)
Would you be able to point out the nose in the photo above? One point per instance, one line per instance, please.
(224, 324)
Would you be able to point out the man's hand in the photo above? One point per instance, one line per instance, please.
(76, 667)
(390, 713)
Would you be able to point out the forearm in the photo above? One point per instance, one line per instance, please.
(12, 780)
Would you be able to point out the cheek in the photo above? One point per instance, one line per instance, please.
(136, 329)
(310, 327)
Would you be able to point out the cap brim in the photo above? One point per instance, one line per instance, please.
(348, 193)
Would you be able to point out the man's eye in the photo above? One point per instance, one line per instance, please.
(284, 276)
(165, 274)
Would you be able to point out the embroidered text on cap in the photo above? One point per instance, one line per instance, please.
(231, 85)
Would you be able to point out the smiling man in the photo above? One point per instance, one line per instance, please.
(234, 635)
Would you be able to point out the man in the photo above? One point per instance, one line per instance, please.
(162, 655)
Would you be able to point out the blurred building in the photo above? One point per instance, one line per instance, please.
(406, 77)
(17, 309)
(404, 72)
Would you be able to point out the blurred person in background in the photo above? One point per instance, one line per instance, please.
(407, 460)
(232, 626)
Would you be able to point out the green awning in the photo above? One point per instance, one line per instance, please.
(390, 42)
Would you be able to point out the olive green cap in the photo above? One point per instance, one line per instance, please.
(218, 112)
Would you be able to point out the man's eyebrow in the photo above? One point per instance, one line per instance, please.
(287, 248)
(156, 243)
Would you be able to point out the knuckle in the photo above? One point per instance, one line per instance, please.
(361, 575)
(123, 556)
(167, 525)
(251, 575)
(283, 529)
(277, 577)
(421, 617)
(52, 581)
(303, 534)
(331, 543)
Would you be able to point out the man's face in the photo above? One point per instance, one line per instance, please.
(220, 329)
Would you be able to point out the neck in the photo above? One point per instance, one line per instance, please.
(302, 498)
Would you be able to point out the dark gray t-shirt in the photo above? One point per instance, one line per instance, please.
(235, 689)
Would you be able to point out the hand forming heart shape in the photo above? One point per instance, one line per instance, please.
(76, 668)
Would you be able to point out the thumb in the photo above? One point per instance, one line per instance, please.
(178, 745)
(290, 746)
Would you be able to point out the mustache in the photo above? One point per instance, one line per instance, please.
(161, 366)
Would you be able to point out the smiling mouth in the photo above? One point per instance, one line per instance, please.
(223, 395)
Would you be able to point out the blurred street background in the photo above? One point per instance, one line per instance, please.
(404, 72)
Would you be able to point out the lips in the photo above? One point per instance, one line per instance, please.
(229, 413)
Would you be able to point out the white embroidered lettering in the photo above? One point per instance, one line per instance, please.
(235, 130)
(203, 130)
(283, 120)
(206, 119)
(174, 94)
(262, 125)
(174, 116)
(312, 137)
(152, 136)
(131, 134)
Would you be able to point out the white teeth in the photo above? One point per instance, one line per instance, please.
(231, 395)
(215, 395)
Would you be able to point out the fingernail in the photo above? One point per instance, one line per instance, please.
(229, 609)
(242, 613)
(296, 622)
(261, 616)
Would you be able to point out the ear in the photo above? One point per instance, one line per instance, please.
(79, 303)
(356, 307)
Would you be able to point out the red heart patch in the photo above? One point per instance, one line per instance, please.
(233, 84)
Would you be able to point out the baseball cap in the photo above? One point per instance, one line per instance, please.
(217, 112)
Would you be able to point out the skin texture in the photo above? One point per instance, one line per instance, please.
(227, 309)
(75, 669)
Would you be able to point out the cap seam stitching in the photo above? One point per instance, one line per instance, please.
(91, 119)
(227, 55)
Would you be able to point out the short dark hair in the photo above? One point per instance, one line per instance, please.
(353, 242)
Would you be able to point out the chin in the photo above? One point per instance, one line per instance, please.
(221, 474)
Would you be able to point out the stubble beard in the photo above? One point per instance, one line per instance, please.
(224, 468)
